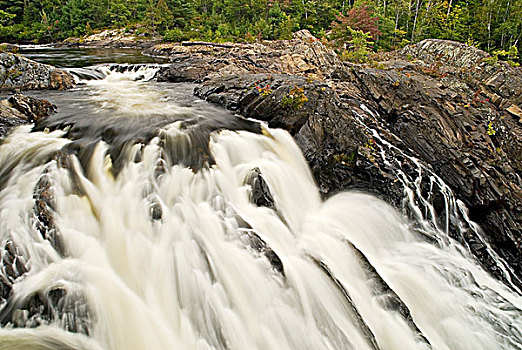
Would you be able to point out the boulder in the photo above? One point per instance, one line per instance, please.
(20, 73)
(33, 108)
(22, 109)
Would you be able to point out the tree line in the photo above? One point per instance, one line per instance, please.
(487, 24)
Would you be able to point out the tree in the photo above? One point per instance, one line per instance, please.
(357, 18)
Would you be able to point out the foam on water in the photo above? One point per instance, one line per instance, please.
(161, 256)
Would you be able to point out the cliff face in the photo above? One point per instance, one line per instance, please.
(433, 108)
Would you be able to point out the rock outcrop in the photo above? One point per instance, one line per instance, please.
(8, 47)
(438, 107)
(113, 38)
(20, 73)
(304, 55)
(452, 109)
(22, 109)
(338, 147)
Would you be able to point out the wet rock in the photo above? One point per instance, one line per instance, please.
(34, 108)
(18, 72)
(65, 308)
(261, 195)
(13, 265)
(10, 117)
(439, 106)
(185, 69)
(22, 109)
(43, 213)
(336, 145)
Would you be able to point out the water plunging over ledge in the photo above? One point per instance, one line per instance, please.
(139, 217)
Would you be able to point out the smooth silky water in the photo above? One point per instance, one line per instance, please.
(127, 221)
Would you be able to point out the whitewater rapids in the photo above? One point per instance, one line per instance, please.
(160, 255)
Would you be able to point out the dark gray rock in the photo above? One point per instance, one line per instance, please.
(336, 145)
(34, 108)
(10, 117)
(446, 115)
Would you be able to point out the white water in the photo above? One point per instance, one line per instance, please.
(193, 279)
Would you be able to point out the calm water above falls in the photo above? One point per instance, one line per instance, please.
(129, 221)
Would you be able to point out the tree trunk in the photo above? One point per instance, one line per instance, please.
(415, 20)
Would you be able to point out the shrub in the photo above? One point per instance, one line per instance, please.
(295, 98)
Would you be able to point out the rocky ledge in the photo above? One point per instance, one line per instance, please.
(20, 73)
(437, 107)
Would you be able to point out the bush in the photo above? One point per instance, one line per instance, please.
(176, 35)
(360, 47)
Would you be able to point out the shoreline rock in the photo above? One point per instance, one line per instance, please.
(304, 55)
(20, 73)
(111, 38)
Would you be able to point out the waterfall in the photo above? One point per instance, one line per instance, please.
(186, 227)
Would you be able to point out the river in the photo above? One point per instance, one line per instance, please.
(141, 217)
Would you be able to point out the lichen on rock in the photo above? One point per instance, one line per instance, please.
(20, 73)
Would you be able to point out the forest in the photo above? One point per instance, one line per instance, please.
(491, 25)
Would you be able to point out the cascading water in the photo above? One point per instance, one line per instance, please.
(451, 221)
(139, 223)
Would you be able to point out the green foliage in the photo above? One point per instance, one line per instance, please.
(176, 35)
(6, 17)
(360, 47)
(444, 21)
(493, 25)
(295, 99)
(510, 56)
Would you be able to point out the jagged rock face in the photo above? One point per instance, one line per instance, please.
(34, 108)
(438, 101)
(20, 73)
(334, 143)
(501, 83)
(446, 114)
